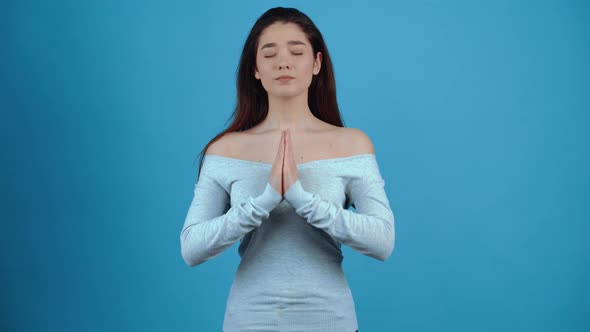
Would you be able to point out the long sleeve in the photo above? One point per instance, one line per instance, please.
(370, 230)
(211, 226)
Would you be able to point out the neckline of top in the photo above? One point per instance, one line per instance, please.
(304, 164)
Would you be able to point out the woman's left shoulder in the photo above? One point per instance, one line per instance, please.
(356, 141)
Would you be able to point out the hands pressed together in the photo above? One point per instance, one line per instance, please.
(284, 169)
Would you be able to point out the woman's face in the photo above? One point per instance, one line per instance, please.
(283, 50)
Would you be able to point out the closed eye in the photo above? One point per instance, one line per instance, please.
(270, 56)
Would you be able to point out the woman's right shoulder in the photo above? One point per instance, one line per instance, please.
(224, 145)
(221, 147)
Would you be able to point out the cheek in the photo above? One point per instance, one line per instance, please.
(264, 69)
(307, 66)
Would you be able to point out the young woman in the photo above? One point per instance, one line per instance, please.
(280, 179)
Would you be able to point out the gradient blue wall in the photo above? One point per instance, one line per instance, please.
(478, 111)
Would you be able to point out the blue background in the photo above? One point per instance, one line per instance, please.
(478, 111)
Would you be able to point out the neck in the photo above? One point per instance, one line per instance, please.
(292, 113)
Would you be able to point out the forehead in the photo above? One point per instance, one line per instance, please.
(281, 33)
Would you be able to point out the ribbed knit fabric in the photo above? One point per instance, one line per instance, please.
(290, 276)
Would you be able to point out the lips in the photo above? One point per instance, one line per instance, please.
(284, 78)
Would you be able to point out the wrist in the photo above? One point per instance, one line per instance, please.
(269, 198)
(297, 196)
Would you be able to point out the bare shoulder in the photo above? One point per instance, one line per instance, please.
(223, 145)
(356, 141)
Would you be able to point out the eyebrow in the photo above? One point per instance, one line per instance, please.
(290, 42)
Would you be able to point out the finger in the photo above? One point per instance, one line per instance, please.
(280, 152)
(286, 160)
(283, 146)
(289, 148)
(292, 154)
(289, 168)
(277, 168)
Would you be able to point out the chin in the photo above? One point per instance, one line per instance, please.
(286, 93)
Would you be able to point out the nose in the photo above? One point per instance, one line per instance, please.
(284, 60)
(283, 64)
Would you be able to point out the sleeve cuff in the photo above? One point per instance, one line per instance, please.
(269, 198)
(297, 196)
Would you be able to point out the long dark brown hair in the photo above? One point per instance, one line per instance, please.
(252, 100)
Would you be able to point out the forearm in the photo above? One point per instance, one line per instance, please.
(202, 240)
(371, 233)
